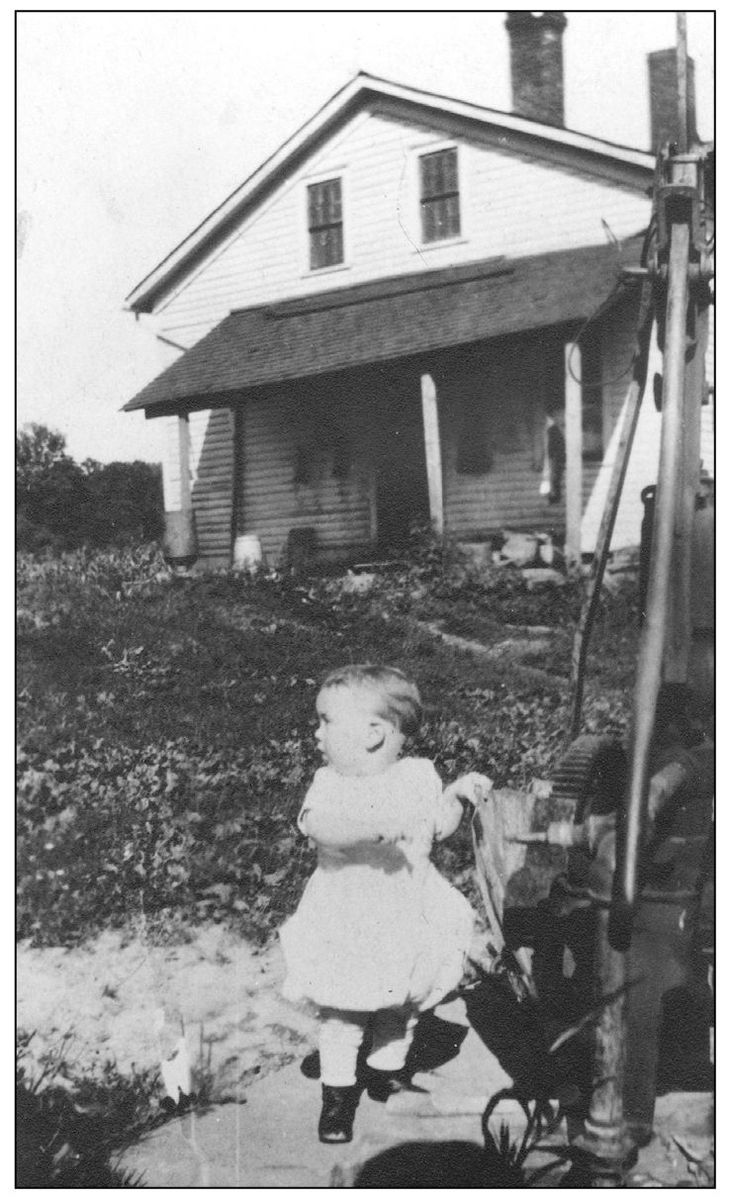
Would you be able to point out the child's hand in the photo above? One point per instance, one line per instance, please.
(472, 788)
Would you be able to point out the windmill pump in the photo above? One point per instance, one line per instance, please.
(636, 821)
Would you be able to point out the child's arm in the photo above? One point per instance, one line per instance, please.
(333, 825)
(328, 821)
(470, 788)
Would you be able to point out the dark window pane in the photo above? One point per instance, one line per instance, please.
(439, 196)
(450, 171)
(325, 223)
(326, 247)
(441, 219)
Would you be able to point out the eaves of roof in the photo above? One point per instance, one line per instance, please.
(387, 320)
(362, 90)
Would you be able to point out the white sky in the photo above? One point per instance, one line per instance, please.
(133, 126)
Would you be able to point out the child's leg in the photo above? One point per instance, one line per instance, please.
(393, 1034)
(341, 1033)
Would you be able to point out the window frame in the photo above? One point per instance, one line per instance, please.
(424, 151)
(310, 181)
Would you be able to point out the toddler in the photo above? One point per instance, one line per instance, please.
(379, 935)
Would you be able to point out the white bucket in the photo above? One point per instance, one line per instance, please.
(248, 555)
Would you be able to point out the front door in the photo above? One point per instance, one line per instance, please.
(402, 495)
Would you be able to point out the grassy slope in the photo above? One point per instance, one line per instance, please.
(165, 726)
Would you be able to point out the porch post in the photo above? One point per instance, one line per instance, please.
(572, 385)
(430, 415)
(186, 500)
(180, 537)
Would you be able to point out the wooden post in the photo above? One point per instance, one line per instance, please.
(432, 445)
(572, 367)
(237, 474)
(186, 500)
(181, 546)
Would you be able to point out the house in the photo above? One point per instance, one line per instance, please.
(374, 327)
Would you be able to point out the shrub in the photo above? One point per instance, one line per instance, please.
(69, 1130)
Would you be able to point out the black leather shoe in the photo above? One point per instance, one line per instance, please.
(337, 1114)
(382, 1085)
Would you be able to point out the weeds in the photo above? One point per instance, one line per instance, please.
(68, 1132)
(166, 725)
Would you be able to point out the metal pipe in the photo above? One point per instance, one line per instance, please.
(654, 633)
(603, 1146)
(604, 1120)
(593, 587)
(680, 636)
(681, 26)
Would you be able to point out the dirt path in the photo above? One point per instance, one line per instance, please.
(120, 999)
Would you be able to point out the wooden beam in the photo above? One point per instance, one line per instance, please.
(186, 499)
(573, 436)
(181, 545)
(433, 448)
(237, 473)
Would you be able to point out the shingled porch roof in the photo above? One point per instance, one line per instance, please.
(386, 320)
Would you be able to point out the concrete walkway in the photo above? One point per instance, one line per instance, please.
(269, 1140)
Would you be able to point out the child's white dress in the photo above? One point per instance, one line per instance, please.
(377, 925)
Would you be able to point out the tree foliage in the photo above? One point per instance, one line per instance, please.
(62, 505)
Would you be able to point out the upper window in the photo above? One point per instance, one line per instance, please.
(439, 196)
(325, 223)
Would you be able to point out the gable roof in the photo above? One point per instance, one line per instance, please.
(634, 167)
(387, 320)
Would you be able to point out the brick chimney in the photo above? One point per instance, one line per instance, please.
(662, 67)
(536, 64)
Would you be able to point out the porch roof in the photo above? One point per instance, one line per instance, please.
(386, 320)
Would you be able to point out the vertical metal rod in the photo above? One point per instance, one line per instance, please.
(605, 1118)
(678, 647)
(654, 633)
(590, 601)
(574, 450)
(681, 25)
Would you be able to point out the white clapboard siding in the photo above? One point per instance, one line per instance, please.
(273, 504)
(507, 496)
(511, 206)
(211, 465)
(644, 460)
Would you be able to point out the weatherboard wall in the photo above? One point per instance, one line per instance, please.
(510, 206)
(618, 345)
(275, 500)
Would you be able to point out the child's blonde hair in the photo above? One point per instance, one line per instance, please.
(397, 695)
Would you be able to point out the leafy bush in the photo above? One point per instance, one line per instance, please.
(108, 833)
